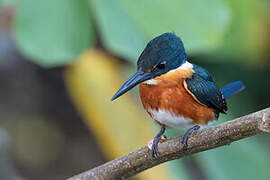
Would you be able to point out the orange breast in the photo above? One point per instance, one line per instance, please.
(171, 95)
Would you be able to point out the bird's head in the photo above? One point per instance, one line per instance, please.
(162, 54)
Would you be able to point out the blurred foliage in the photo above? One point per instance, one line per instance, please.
(200, 25)
(7, 2)
(229, 38)
(59, 37)
(119, 33)
(243, 157)
(58, 34)
(32, 150)
(248, 37)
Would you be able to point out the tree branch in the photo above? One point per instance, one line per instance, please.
(223, 134)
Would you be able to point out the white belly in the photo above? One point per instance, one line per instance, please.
(171, 120)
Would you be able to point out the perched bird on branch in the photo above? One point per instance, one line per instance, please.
(174, 92)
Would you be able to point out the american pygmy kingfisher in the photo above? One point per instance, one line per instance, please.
(174, 92)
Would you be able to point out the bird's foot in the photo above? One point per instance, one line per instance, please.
(155, 148)
(153, 144)
(187, 134)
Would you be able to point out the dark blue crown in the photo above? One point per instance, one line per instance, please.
(167, 47)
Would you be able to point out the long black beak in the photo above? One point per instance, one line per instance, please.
(137, 78)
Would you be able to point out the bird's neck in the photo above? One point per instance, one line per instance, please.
(173, 76)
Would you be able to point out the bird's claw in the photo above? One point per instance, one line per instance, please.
(155, 150)
(184, 141)
(154, 146)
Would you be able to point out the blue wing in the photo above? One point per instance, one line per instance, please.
(203, 87)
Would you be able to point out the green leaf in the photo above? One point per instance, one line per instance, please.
(248, 37)
(119, 34)
(53, 32)
(201, 24)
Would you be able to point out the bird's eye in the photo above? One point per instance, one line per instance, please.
(161, 65)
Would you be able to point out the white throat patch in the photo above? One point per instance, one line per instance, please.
(151, 82)
(184, 66)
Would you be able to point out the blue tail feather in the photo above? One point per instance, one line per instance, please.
(231, 89)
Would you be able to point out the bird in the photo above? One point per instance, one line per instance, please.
(174, 92)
